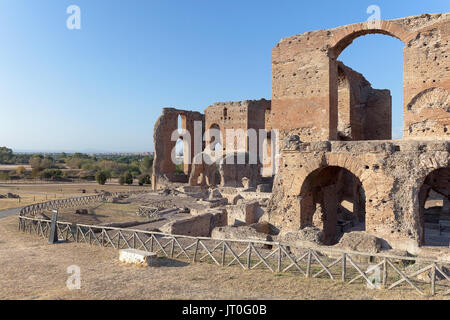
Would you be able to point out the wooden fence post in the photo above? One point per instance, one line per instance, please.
(223, 253)
(196, 250)
(279, 258)
(385, 273)
(53, 236)
(308, 264)
(249, 256)
(344, 266)
(433, 280)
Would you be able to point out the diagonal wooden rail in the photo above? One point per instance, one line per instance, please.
(252, 254)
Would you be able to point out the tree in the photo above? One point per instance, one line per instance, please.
(35, 161)
(50, 174)
(179, 169)
(121, 180)
(4, 176)
(39, 162)
(6, 155)
(145, 179)
(78, 155)
(101, 177)
(35, 172)
(128, 178)
(146, 164)
(47, 163)
(21, 170)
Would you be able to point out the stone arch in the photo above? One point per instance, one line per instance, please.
(428, 113)
(322, 195)
(346, 161)
(209, 139)
(435, 181)
(434, 97)
(427, 164)
(345, 35)
(341, 39)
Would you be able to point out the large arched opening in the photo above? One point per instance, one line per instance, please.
(434, 210)
(214, 138)
(358, 110)
(182, 151)
(332, 199)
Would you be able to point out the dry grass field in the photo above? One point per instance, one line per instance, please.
(32, 269)
(35, 193)
(100, 213)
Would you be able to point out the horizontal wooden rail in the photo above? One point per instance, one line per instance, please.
(310, 261)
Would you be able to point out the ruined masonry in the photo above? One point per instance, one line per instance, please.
(337, 162)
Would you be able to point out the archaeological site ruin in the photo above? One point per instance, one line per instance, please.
(326, 164)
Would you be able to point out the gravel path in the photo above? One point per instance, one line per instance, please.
(9, 212)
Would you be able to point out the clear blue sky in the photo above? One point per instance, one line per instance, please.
(102, 87)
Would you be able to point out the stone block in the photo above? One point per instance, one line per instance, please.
(195, 226)
(264, 188)
(240, 233)
(214, 194)
(137, 257)
(245, 213)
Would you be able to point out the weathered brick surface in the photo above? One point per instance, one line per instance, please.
(391, 175)
(305, 77)
(325, 112)
(167, 123)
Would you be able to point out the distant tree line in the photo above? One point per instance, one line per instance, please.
(78, 166)
(8, 157)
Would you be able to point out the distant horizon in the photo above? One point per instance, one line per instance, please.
(85, 151)
(101, 88)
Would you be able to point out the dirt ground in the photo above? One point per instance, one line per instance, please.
(126, 209)
(35, 193)
(32, 269)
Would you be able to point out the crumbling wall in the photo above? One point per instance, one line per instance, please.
(167, 123)
(305, 75)
(237, 115)
(378, 115)
(321, 196)
(364, 113)
(429, 114)
(315, 99)
(391, 175)
(427, 79)
(204, 170)
(238, 170)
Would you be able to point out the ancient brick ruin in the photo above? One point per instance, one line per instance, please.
(337, 163)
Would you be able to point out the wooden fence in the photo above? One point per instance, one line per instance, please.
(71, 202)
(314, 262)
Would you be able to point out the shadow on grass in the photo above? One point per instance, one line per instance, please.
(170, 263)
